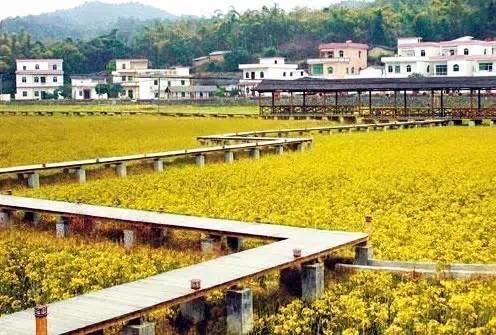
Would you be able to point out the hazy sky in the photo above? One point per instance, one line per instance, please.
(195, 7)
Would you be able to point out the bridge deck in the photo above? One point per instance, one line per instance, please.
(93, 311)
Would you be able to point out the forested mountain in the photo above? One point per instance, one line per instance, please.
(86, 21)
(268, 31)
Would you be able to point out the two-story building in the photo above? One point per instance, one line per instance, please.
(268, 68)
(141, 83)
(464, 56)
(36, 78)
(339, 60)
(84, 86)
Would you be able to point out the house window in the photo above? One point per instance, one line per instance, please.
(247, 75)
(37, 66)
(80, 93)
(124, 78)
(302, 74)
(253, 75)
(318, 69)
(359, 54)
(183, 82)
(156, 95)
(465, 52)
(24, 79)
(262, 75)
(183, 94)
(36, 93)
(155, 82)
(341, 53)
(487, 67)
(291, 74)
(24, 93)
(397, 69)
(485, 51)
(456, 68)
(275, 62)
(36, 79)
(428, 68)
(408, 68)
(422, 53)
(331, 54)
(54, 67)
(390, 69)
(330, 70)
(24, 68)
(441, 70)
(452, 52)
(129, 78)
(284, 74)
(347, 70)
(54, 79)
(123, 66)
(201, 94)
(169, 83)
(353, 70)
(43, 80)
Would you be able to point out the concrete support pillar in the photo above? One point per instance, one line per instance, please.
(129, 239)
(239, 312)
(300, 147)
(200, 160)
(363, 254)
(194, 311)
(34, 180)
(234, 243)
(279, 150)
(81, 175)
(32, 217)
(159, 236)
(488, 122)
(158, 165)
(145, 328)
(62, 227)
(6, 218)
(450, 123)
(121, 170)
(255, 153)
(312, 282)
(469, 123)
(229, 157)
(212, 243)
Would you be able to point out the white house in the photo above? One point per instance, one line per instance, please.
(84, 86)
(35, 78)
(267, 68)
(141, 83)
(464, 56)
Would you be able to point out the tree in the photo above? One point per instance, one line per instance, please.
(115, 90)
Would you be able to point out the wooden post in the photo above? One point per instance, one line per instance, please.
(405, 107)
(291, 102)
(359, 101)
(40, 314)
(273, 102)
(370, 102)
(395, 102)
(479, 105)
(441, 101)
(336, 102)
(471, 100)
(432, 102)
(304, 102)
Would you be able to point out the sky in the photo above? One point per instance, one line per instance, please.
(194, 7)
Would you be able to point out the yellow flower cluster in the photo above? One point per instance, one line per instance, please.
(371, 303)
(432, 192)
(35, 267)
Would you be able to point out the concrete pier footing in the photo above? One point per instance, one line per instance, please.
(194, 311)
(6, 218)
(81, 175)
(300, 147)
(34, 180)
(121, 170)
(129, 239)
(312, 282)
(145, 328)
(229, 157)
(279, 150)
(62, 227)
(363, 254)
(255, 153)
(211, 243)
(158, 165)
(239, 312)
(200, 160)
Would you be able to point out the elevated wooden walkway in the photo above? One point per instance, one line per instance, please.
(94, 311)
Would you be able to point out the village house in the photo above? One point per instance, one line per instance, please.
(464, 56)
(339, 60)
(84, 86)
(215, 56)
(267, 68)
(37, 78)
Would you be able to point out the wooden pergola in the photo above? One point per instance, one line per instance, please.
(329, 93)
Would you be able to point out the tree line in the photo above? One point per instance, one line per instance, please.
(268, 31)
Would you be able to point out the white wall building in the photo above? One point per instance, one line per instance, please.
(464, 56)
(37, 77)
(141, 83)
(84, 86)
(268, 68)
